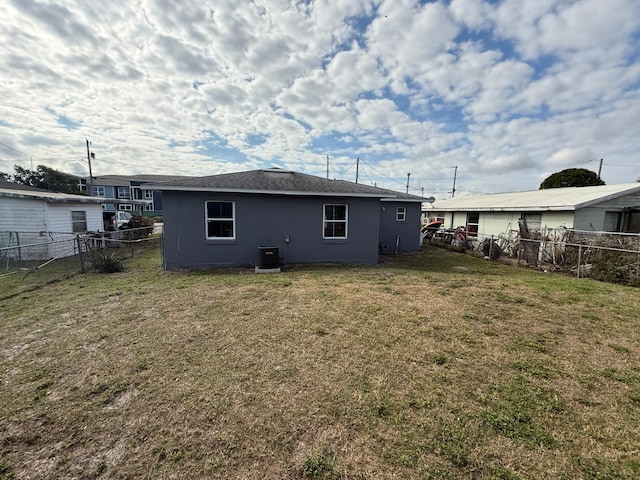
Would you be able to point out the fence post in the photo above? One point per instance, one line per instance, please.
(19, 249)
(579, 259)
(80, 254)
(491, 248)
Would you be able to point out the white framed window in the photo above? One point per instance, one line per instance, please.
(78, 221)
(98, 191)
(401, 214)
(334, 222)
(148, 207)
(125, 206)
(148, 194)
(124, 192)
(220, 220)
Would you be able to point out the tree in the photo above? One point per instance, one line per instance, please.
(572, 177)
(46, 178)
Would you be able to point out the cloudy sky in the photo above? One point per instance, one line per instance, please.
(508, 91)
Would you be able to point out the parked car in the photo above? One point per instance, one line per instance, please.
(115, 220)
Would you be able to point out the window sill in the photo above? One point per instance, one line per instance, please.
(335, 240)
(220, 241)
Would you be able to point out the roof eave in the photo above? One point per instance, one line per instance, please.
(50, 199)
(400, 199)
(563, 208)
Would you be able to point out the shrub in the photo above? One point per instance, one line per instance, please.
(491, 249)
(106, 262)
(137, 228)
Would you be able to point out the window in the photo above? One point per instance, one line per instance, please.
(125, 206)
(98, 191)
(124, 192)
(431, 216)
(335, 221)
(78, 221)
(221, 220)
(612, 221)
(534, 220)
(473, 219)
(148, 194)
(401, 214)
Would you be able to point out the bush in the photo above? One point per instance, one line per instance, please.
(489, 246)
(106, 262)
(615, 267)
(137, 228)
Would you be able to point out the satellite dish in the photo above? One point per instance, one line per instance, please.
(430, 199)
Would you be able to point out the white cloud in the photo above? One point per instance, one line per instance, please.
(564, 28)
(569, 157)
(473, 14)
(497, 88)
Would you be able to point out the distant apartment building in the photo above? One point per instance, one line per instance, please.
(129, 192)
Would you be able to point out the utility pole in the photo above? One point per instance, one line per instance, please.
(455, 174)
(408, 175)
(422, 190)
(600, 168)
(89, 155)
(357, 167)
(327, 167)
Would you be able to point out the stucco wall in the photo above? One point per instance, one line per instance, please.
(408, 231)
(265, 220)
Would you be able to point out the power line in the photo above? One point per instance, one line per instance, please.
(383, 175)
(623, 166)
(366, 175)
(21, 152)
(36, 156)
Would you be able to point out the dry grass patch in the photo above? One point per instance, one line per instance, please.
(415, 368)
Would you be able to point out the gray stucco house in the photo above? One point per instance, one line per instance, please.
(224, 220)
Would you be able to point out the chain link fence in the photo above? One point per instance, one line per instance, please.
(606, 256)
(31, 259)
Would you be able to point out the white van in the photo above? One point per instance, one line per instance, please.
(115, 220)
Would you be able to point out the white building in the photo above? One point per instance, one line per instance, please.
(26, 210)
(610, 208)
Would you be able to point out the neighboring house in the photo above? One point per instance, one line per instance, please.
(223, 220)
(610, 208)
(131, 192)
(27, 209)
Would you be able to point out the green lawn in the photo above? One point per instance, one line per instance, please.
(436, 365)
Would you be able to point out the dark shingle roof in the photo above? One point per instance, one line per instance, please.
(18, 186)
(283, 182)
(125, 180)
(16, 190)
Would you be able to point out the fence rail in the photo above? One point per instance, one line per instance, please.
(608, 256)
